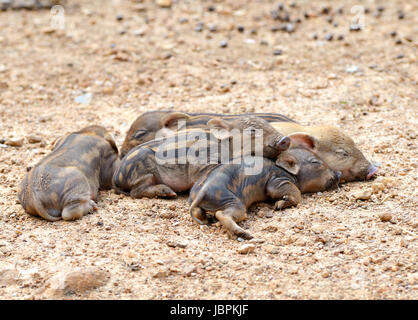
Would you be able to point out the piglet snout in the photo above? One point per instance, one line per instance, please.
(283, 144)
(371, 172)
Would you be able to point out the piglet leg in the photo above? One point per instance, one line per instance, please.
(229, 218)
(288, 193)
(146, 187)
(76, 210)
(199, 215)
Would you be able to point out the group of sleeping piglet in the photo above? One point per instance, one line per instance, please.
(155, 161)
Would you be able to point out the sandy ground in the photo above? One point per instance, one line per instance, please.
(330, 247)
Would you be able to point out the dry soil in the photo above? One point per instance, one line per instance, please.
(134, 56)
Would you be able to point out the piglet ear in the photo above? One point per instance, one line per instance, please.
(288, 163)
(218, 123)
(303, 139)
(172, 118)
(109, 138)
(221, 128)
(58, 142)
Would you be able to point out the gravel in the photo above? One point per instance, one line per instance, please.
(330, 247)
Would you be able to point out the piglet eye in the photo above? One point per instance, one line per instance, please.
(138, 134)
(315, 161)
(342, 152)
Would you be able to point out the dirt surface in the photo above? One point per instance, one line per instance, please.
(134, 56)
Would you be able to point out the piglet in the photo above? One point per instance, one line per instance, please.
(228, 191)
(65, 184)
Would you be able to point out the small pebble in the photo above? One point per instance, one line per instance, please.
(189, 270)
(351, 69)
(272, 249)
(84, 99)
(199, 27)
(17, 142)
(250, 41)
(224, 88)
(385, 217)
(329, 37)
(246, 248)
(275, 28)
(285, 18)
(355, 27)
(269, 214)
(224, 44)
(212, 28)
(119, 17)
(140, 32)
(33, 139)
(240, 29)
(380, 8)
(175, 244)
(277, 52)
(362, 195)
(393, 34)
(318, 228)
(401, 15)
(290, 28)
(164, 3)
(76, 281)
(274, 14)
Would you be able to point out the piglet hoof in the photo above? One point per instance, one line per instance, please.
(282, 204)
(94, 206)
(201, 222)
(279, 205)
(244, 235)
(199, 216)
(74, 212)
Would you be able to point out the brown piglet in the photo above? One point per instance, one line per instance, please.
(228, 191)
(148, 124)
(65, 184)
(331, 143)
(335, 148)
(162, 167)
